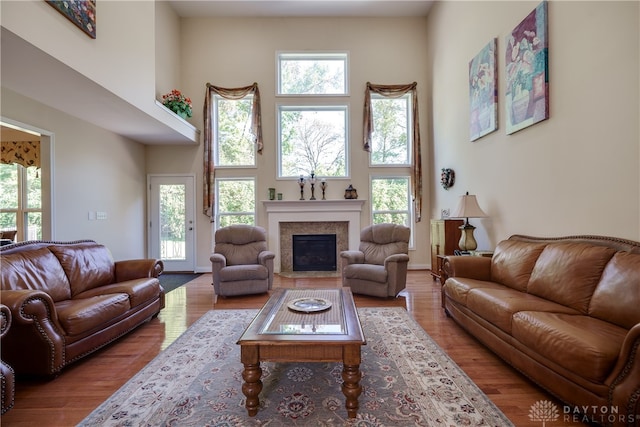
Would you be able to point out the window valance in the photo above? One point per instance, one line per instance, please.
(24, 153)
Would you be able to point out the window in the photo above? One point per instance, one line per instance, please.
(21, 201)
(235, 201)
(312, 139)
(312, 127)
(232, 127)
(392, 130)
(391, 201)
(312, 74)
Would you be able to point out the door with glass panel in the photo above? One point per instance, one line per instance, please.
(171, 221)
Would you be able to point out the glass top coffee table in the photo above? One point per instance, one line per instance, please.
(304, 325)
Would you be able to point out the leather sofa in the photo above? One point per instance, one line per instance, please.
(565, 312)
(7, 376)
(67, 300)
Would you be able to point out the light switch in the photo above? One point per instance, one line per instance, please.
(92, 216)
(101, 215)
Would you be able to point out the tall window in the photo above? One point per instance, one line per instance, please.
(234, 140)
(235, 201)
(391, 201)
(21, 201)
(312, 119)
(392, 129)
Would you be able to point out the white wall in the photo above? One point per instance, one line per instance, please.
(576, 173)
(120, 58)
(238, 52)
(94, 170)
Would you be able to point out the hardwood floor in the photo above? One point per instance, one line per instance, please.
(67, 399)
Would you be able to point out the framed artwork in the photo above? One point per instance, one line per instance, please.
(483, 92)
(80, 12)
(527, 72)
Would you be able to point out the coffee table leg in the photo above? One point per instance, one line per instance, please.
(351, 378)
(252, 386)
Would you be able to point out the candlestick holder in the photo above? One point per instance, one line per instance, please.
(301, 182)
(312, 180)
(323, 186)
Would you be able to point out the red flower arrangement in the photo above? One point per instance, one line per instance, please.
(178, 103)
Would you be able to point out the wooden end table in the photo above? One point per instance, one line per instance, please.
(280, 334)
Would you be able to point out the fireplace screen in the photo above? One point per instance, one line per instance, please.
(314, 252)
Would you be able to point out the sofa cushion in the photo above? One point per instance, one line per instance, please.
(244, 272)
(36, 269)
(140, 291)
(584, 345)
(513, 261)
(369, 272)
(458, 288)
(87, 266)
(617, 296)
(498, 306)
(85, 314)
(568, 273)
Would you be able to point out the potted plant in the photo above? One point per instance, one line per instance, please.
(178, 103)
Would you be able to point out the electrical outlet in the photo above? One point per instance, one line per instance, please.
(445, 213)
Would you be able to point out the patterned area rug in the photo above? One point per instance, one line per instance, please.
(407, 381)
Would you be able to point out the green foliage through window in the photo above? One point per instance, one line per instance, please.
(234, 140)
(391, 130)
(312, 74)
(391, 200)
(21, 201)
(236, 201)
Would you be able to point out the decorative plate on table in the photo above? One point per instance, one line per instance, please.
(309, 305)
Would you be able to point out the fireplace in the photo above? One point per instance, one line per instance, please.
(314, 252)
(288, 217)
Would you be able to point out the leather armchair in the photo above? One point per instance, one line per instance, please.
(241, 264)
(379, 267)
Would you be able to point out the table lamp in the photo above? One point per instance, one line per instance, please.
(468, 208)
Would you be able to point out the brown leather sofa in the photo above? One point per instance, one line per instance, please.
(7, 376)
(563, 311)
(67, 300)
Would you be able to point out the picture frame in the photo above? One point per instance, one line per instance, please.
(81, 12)
(483, 92)
(527, 71)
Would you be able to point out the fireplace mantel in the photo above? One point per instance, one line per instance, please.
(278, 211)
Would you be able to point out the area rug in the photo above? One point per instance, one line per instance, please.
(197, 381)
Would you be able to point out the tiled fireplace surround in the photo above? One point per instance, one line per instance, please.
(286, 218)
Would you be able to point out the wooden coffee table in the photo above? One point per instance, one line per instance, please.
(279, 333)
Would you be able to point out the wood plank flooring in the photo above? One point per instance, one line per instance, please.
(69, 398)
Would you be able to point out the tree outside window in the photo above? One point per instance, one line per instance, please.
(312, 139)
(391, 201)
(234, 142)
(392, 129)
(236, 201)
(21, 201)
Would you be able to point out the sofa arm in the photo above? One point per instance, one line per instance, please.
(624, 381)
(351, 257)
(471, 267)
(396, 266)
(35, 342)
(266, 258)
(138, 269)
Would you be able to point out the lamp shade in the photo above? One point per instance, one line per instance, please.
(468, 208)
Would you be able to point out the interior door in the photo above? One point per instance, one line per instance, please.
(171, 221)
